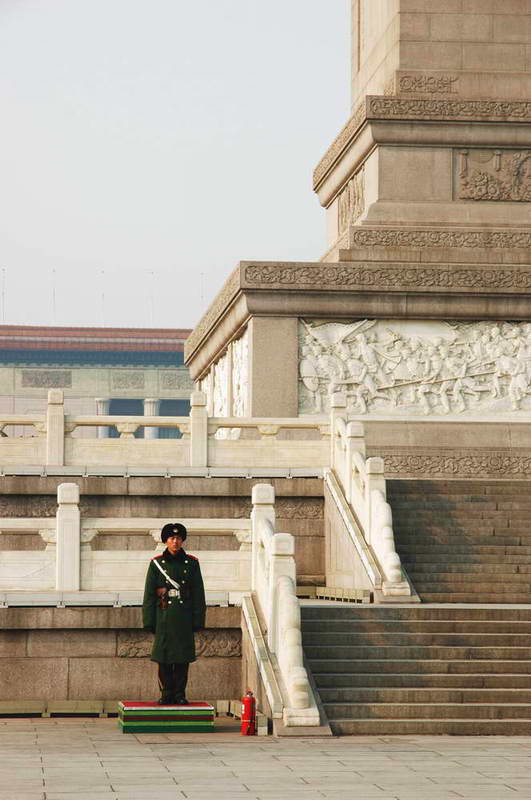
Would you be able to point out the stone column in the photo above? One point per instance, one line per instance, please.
(151, 409)
(198, 430)
(68, 536)
(102, 409)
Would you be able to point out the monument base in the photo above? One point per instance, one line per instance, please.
(152, 718)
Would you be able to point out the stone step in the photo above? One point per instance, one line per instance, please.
(379, 666)
(408, 639)
(503, 570)
(471, 597)
(428, 695)
(341, 612)
(496, 580)
(387, 680)
(428, 711)
(449, 540)
(464, 558)
(431, 727)
(356, 626)
(452, 550)
(420, 652)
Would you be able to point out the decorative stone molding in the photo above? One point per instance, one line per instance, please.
(351, 201)
(46, 379)
(178, 379)
(495, 175)
(221, 643)
(428, 84)
(456, 464)
(382, 107)
(122, 379)
(383, 275)
(389, 237)
(417, 108)
(227, 293)
(414, 368)
(285, 508)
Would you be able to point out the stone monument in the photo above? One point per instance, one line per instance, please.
(421, 306)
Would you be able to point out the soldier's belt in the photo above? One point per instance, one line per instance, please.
(174, 593)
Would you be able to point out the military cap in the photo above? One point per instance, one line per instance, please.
(173, 529)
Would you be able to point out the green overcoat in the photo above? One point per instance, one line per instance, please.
(175, 624)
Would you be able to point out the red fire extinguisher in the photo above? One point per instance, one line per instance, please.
(248, 727)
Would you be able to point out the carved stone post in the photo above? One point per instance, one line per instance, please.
(68, 538)
(355, 444)
(102, 409)
(55, 429)
(198, 430)
(338, 408)
(151, 409)
(263, 500)
(375, 480)
(282, 564)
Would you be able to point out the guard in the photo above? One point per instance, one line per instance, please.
(174, 608)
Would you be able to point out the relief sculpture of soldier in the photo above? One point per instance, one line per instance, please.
(174, 608)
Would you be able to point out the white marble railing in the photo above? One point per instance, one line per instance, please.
(273, 578)
(69, 564)
(363, 484)
(59, 440)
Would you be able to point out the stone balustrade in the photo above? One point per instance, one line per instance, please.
(273, 583)
(363, 486)
(59, 442)
(69, 563)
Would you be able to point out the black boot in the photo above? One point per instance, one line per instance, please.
(166, 684)
(180, 681)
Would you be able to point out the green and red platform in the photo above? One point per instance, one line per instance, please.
(152, 718)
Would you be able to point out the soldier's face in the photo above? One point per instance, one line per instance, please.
(174, 544)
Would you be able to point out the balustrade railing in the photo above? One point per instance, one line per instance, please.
(273, 578)
(58, 440)
(363, 484)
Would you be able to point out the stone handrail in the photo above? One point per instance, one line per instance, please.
(69, 564)
(59, 443)
(273, 581)
(363, 483)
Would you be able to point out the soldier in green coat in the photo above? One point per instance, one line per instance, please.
(174, 608)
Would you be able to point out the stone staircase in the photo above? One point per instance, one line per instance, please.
(387, 670)
(464, 541)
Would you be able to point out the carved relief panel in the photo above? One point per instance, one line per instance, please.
(494, 175)
(406, 367)
(351, 202)
(240, 376)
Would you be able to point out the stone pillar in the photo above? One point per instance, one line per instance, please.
(102, 409)
(67, 574)
(151, 409)
(198, 430)
(273, 367)
(55, 429)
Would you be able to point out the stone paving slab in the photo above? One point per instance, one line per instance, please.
(89, 759)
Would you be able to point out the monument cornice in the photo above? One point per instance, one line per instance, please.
(357, 290)
(397, 109)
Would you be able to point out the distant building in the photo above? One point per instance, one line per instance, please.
(100, 370)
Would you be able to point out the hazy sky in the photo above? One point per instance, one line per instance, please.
(149, 145)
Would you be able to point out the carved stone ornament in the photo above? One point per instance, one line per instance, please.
(240, 376)
(427, 84)
(494, 175)
(46, 378)
(457, 464)
(127, 379)
(382, 107)
(222, 300)
(218, 642)
(424, 368)
(176, 379)
(351, 202)
(383, 275)
(439, 238)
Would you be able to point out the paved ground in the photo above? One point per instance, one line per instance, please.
(89, 759)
